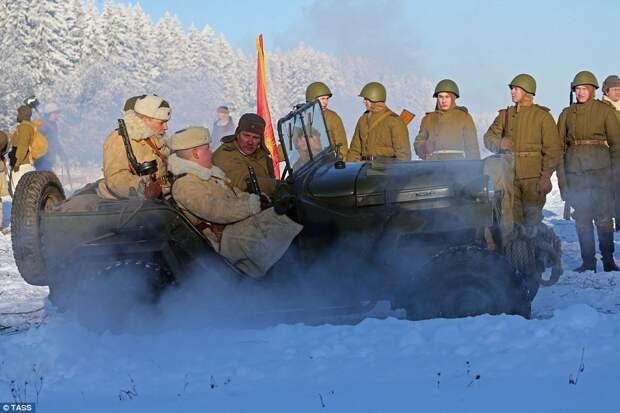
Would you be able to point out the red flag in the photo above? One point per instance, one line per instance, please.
(262, 105)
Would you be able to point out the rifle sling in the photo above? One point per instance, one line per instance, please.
(376, 122)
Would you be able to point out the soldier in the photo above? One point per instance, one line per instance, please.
(50, 117)
(449, 132)
(224, 125)
(527, 134)
(4, 144)
(379, 131)
(591, 135)
(20, 159)
(611, 96)
(232, 220)
(333, 123)
(146, 126)
(247, 148)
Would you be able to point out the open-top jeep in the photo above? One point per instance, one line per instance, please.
(411, 233)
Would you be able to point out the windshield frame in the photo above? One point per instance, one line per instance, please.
(297, 113)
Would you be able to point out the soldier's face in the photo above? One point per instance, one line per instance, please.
(582, 93)
(159, 127)
(444, 100)
(613, 93)
(323, 100)
(367, 104)
(517, 94)
(248, 142)
(203, 156)
(223, 116)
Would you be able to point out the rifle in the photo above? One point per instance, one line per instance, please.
(252, 182)
(560, 172)
(567, 211)
(145, 168)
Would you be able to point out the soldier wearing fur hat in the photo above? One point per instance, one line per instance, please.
(244, 149)
(146, 126)
(232, 220)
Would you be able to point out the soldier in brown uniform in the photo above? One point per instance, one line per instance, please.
(20, 159)
(527, 133)
(333, 123)
(231, 220)
(146, 126)
(611, 96)
(247, 148)
(591, 135)
(379, 131)
(449, 132)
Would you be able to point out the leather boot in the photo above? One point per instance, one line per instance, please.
(606, 245)
(586, 245)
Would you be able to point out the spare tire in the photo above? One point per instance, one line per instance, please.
(35, 192)
(466, 281)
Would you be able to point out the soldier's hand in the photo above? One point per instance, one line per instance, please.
(16, 168)
(505, 144)
(429, 148)
(265, 202)
(544, 185)
(152, 190)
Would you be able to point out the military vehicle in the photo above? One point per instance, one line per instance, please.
(411, 233)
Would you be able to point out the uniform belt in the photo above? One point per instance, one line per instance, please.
(589, 142)
(367, 158)
(448, 151)
(217, 229)
(526, 153)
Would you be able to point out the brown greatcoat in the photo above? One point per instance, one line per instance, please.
(536, 145)
(22, 140)
(118, 176)
(606, 100)
(388, 138)
(537, 150)
(452, 130)
(336, 131)
(229, 158)
(252, 240)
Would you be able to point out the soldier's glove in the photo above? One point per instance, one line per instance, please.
(283, 199)
(505, 144)
(265, 202)
(149, 188)
(544, 184)
(429, 148)
(152, 190)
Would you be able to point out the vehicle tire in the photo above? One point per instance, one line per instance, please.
(466, 281)
(35, 192)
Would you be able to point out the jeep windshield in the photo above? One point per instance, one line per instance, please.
(303, 136)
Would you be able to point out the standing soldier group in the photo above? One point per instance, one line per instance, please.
(582, 147)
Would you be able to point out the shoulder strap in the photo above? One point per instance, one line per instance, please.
(157, 152)
(376, 122)
(505, 128)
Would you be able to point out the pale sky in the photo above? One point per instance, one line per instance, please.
(480, 44)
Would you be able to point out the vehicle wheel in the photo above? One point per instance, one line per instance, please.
(35, 192)
(466, 281)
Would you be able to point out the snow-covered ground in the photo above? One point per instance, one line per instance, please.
(565, 360)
